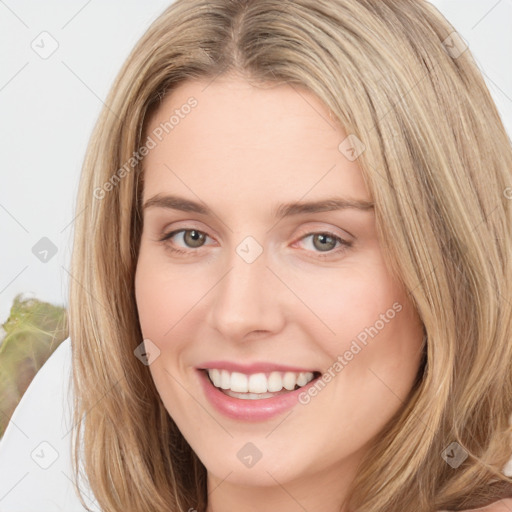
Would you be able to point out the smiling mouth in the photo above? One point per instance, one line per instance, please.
(258, 385)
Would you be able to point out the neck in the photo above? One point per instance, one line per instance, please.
(323, 491)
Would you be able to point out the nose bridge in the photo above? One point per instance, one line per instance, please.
(245, 299)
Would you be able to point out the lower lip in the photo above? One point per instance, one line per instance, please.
(250, 410)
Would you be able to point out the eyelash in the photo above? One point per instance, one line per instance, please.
(344, 244)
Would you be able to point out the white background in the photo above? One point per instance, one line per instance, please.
(48, 108)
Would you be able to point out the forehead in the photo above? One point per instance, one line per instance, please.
(249, 143)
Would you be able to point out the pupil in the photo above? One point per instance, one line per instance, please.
(194, 238)
(326, 242)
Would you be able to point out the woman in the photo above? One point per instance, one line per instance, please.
(292, 276)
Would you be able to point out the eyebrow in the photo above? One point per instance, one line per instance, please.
(284, 210)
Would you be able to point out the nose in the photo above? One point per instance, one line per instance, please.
(248, 300)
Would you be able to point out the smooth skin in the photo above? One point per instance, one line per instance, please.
(320, 281)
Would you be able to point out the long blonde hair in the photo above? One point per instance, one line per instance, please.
(438, 164)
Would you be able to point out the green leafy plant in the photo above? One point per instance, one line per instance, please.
(33, 331)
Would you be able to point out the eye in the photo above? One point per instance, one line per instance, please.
(189, 238)
(319, 242)
(325, 242)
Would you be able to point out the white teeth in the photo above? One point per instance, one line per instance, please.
(275, 382)
(289, 381)
(302, 380)
(215, 376)
(225, 379)
(239, 382)
(258, 383)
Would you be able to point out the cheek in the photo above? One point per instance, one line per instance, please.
(163, 295)
(347, 300)
(153, 301)
(162, 303)
(364, 323)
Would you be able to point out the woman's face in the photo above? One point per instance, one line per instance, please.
(260, 262)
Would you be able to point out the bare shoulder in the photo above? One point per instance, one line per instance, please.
(504, 505)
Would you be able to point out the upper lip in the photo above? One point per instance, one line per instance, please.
(251, 368)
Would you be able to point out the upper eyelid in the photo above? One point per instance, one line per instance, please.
(329, 233)
(317, 222)
(173, 232)
(346, 235)
(187, 226)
